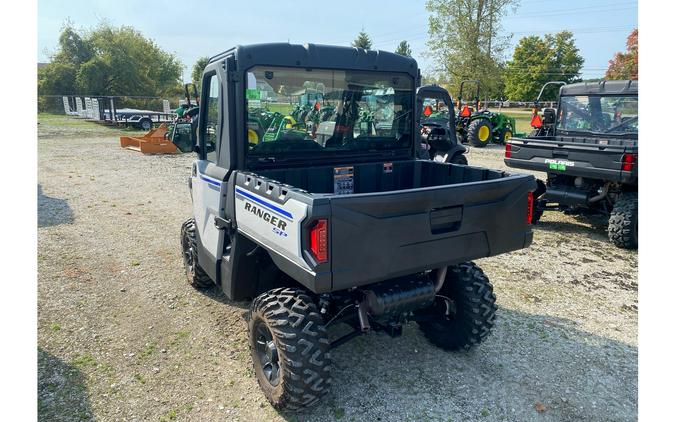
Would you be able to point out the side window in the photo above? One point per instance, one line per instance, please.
(212, 119)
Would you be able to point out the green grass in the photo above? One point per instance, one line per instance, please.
(280, 108)
(50, 124)
(339, 413)
(522, 119)
(171, 415)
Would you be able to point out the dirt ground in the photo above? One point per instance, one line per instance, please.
(122, 337)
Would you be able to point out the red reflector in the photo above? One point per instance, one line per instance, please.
(507, 151)
(465, 112)
(318, 241)
(628, 161)
(536, 121)
(427, 111)
(530, 207)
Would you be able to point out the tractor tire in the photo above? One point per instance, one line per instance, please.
(290, 348)
(623, 221)
(464, 311)
(506, 136)
(196, 276)
(459, 159)
(479, 133)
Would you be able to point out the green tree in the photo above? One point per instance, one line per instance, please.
(109, 61)
(464, 39)
(57, 78)
(539, 60)
(363, 41)
(404, 49)
(72, 48)
(625, 65)
(198, 70)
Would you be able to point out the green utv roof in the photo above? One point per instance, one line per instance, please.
(601, 88)
(319, 56)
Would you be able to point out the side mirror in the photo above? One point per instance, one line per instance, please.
(183, 137)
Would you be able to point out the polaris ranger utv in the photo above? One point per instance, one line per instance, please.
(341, 226)
(589, 153)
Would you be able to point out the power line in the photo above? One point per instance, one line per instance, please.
(600, 8)
(575, 31)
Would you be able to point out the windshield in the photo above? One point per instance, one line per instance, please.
(294, 112)
(435, 111)
(610, 115)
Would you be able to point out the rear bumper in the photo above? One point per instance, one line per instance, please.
(596, 173)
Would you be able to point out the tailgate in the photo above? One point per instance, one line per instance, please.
(591, 160)
(383, 235)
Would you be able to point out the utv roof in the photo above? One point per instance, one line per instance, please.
(319, 56)
(602, 87)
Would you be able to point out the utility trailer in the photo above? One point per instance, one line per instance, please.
(351, 228)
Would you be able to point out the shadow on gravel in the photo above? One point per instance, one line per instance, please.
(532, 368)
(62, 394)
(217, 294)
(52, 211)
(595, 226)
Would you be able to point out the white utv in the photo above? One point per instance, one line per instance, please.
(347, 225)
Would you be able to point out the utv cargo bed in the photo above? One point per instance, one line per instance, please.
(402, 218)
(594, 158)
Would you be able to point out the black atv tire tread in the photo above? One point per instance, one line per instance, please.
(470, 289)
(472, 132)
(623, 221)
(201, 280)
(302, 343)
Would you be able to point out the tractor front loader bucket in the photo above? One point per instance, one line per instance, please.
(152, 142)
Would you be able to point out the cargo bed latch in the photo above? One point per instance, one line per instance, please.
(222, 223)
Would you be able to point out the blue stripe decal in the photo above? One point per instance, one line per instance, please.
(264, 203)
(210, 181)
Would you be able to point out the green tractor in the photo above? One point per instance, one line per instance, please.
(479, 127)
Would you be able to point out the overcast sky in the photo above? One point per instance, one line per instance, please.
(205, 28)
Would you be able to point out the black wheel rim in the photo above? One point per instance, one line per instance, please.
(267, 354)
(188, 258)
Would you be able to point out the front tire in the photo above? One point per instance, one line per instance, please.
(196, 276)
(463, 314)
(623, 221)
(290, 348)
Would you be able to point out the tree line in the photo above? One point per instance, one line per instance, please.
(465, 41)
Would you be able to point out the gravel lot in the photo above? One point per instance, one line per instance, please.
(122, 337)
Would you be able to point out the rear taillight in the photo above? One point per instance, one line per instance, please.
(536, 121)
(628, 162)
(318, 241)
(530, 207)
(507, 151)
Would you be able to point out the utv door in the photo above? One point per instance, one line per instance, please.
(208, 179)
